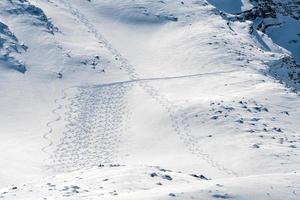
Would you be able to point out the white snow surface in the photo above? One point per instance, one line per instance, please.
(136, 99)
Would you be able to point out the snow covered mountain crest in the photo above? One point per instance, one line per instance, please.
(149, 99)
(10, 45)
(278, 21)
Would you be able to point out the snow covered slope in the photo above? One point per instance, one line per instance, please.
(10, 48)
(273, 22)
(119, 182)
(115, 87)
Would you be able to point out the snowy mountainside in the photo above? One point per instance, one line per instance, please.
(10, 48)
(149, 99)
(278, 21)
(153, 183)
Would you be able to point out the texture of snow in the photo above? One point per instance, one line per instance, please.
(120, 182)
(10, 47)
(115, 87)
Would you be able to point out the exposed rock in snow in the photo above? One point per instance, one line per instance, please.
(21, 7)
(115, 87)
(10, 47)
(278, 22)
(134, 183)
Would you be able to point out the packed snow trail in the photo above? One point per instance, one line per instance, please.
(95, 120)
(49, 124)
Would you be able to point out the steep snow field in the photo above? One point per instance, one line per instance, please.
(143, 99)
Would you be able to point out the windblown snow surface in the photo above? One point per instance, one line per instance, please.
(148, 99)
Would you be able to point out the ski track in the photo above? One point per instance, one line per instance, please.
(94, 123)
(49, 124)
(95, 117)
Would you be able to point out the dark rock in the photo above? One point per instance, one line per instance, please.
(172, 195)
(215, 117)
(222, 196)
(59, 75)
(167, 177)
(200, 176)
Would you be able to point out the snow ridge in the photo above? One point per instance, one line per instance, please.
(10, 48)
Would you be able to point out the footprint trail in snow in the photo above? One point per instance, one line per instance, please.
(95, 120)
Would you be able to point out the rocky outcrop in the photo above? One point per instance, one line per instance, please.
(10, 48)
(19, 7)
(278, 20)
